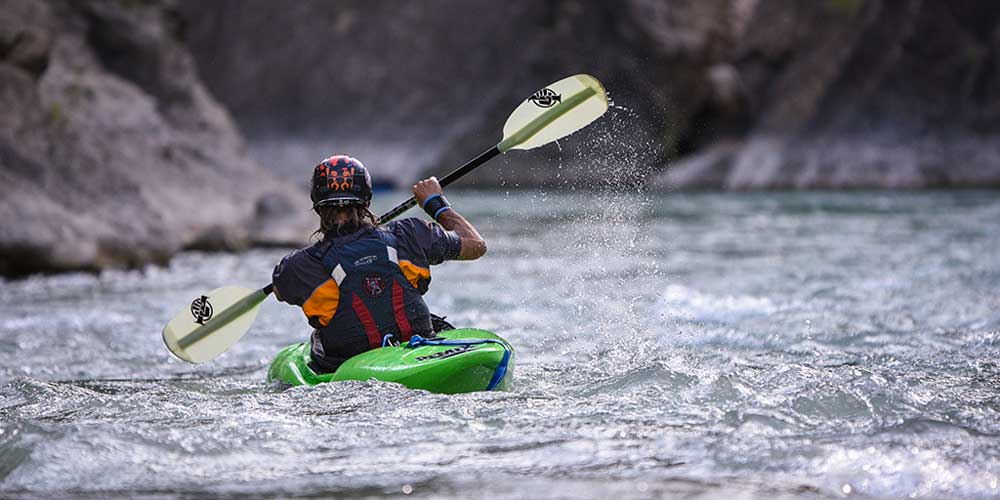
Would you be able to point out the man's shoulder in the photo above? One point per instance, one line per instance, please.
(427, 241)
(412, 228)
(298, 274)
(408, 223)
(306, 255)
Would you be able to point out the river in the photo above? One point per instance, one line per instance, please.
(767, 345)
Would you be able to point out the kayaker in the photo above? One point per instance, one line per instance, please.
(361, 284)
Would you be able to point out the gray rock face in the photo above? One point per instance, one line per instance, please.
(410, 87)
(872, 94)
(734, 94)
(112, 153)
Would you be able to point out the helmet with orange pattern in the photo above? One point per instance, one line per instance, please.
(341, 180)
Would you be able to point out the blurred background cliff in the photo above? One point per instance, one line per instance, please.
(134, 129)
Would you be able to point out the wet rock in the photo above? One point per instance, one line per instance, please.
(112, 153)
(25, 45)
(220, 238)
(272, 214)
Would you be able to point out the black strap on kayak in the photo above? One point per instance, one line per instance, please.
(498, 375)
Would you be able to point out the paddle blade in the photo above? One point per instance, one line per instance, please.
(212, 323)
(554, 112)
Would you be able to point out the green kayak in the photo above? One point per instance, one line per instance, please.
(454, 361)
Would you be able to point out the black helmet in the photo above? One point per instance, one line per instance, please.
(341, 180)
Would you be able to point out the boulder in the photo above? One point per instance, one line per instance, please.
(112, 153)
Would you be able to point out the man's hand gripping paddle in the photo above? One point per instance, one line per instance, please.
(218, 319)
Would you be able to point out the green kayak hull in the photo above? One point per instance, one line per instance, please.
(455, 361)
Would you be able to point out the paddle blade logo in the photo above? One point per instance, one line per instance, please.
(545, 98)
(373, 285)
(201, 309)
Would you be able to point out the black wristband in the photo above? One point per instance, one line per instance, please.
(435, 205)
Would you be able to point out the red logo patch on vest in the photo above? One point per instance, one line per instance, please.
(373, 285)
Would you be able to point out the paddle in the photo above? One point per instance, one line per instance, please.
(548, 115)
(218, 319)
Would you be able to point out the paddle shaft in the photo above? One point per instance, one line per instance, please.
(455, 175)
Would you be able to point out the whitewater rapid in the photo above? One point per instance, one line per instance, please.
(701, 345)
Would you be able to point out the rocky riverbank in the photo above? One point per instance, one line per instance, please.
(117, 147)
(112, 152)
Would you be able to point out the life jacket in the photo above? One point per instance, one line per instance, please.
(373, 296)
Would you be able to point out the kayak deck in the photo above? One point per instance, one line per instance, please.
(454, 361)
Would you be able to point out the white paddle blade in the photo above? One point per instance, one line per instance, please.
(554, 112)
(212, 323)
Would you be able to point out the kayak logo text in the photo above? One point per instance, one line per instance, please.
(545, 98)
(201, 309)
(454, 351)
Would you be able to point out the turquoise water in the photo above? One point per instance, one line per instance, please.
(806, 345)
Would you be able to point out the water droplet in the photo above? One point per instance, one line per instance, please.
(846, 489)
(407, 489)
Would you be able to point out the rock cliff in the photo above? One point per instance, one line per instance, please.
(733, 94)
(855, 94)
(112, 152)
(117, 149)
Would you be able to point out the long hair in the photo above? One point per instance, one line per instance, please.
(328, 226)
